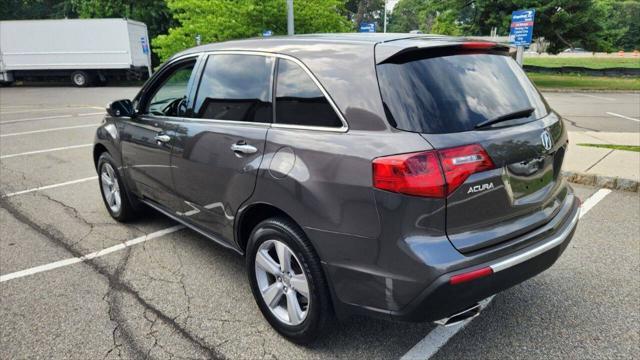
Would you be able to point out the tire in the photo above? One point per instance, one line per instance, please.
(268, 239)
(80, 78)
(122, 210)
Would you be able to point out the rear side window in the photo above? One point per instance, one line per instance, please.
(235, 87)
(455, 93)
(299, 101)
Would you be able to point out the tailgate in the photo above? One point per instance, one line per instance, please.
(523, 192)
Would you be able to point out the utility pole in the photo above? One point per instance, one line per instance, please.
(385, 16)
(290, 29)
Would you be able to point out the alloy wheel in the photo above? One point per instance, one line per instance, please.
(110, 188)
(282, 282)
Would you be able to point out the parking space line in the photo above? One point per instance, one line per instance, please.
(439, 336)
(622, 116)
(48, 109)
(49, 187)
(45, 151)
(47, 130)
(38, 118)
(93, 255)
(598, 97)
(49, 117)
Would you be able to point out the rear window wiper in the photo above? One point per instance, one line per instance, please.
(519, 114)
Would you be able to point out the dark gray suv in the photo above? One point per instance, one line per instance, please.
(400, 176)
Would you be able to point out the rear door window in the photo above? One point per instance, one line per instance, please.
(235, 87)
(299, 101)
(455, 93)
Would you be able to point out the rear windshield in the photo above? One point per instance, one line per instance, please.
(455, 93)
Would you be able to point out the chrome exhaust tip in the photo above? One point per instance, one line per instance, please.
(463, 315)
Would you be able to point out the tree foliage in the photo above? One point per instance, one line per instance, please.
(371, 11)
(598, 25)
(220, 20)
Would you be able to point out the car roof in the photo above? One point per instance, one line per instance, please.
(289, 44)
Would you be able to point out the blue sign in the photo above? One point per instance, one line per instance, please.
(145, 46)
(367, 27)
(521, 32)
(267, 33)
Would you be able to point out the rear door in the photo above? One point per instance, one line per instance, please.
(217, 152)
(468, 96)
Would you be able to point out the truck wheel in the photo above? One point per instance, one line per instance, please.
(80, 78)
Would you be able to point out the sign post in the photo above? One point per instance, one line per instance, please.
(367, 27)
(521, 32)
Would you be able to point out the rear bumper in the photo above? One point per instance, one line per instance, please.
(442, 299)
(436, 298)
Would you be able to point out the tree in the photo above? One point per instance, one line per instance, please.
(428, 16)
(620, 25)
(36, 9)
(366, 11)
(220, 20)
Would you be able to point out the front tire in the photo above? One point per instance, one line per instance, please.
(287, 281)
(113, 190)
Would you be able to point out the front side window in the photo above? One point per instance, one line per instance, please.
(299, 101)
(235, 87)
(170, 98)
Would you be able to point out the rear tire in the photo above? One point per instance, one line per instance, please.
(114, 191)
(301, 286)
(80, 78)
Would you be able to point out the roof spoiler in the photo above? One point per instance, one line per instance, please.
(392, 54)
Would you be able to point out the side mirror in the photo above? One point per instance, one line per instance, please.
(121, 108)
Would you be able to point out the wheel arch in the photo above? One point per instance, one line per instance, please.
(251, 215)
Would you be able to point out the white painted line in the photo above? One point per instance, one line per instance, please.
(93, 255)
(47, 130)
(45, 151)
(49, 187)
(48, 109)
(598, 97)
(593, 200)
(622, 116)
(439, 336)
(49, 118)
(35, 119)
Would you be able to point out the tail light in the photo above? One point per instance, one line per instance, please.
(435, 173)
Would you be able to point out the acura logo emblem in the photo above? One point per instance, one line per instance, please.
(547, 143)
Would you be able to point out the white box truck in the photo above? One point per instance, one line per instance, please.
(85, 51)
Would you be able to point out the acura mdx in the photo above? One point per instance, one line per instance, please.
(404, 176)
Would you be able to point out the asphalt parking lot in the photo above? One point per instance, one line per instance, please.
(180, 295)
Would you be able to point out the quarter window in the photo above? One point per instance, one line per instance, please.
(299, 101)
(170, 98)
(235, 87)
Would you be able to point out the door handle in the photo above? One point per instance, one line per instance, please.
(162, 138)
(244, 149)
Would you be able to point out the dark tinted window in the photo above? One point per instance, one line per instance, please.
(235, 87)
(170, 98)
(455, 93)
(299, 101)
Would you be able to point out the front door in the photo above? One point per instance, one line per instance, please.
(216, 155)
(148, 138)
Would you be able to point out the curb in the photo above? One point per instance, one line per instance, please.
(570, 90)
(609, 182)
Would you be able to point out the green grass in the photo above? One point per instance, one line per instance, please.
(588, 62)
(581, 82)
(614, 147)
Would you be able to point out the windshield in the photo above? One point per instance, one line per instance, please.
(455, 93)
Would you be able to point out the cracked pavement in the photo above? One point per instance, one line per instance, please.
(182, 296)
